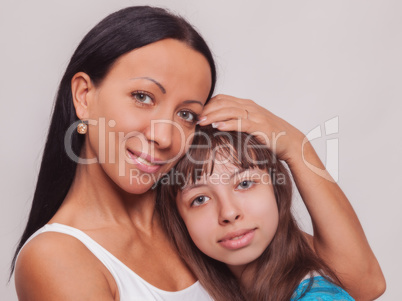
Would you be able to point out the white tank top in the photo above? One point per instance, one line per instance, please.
(131, 286)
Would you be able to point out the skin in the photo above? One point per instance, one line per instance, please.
(338, 236)
(120, 216)
(104, 204)
(227, 201)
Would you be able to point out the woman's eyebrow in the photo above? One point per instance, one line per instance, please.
(152, 80)
(162, 88)
(193, 101)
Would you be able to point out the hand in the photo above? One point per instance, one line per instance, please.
(228, 113)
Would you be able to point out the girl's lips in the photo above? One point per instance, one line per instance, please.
(142, 163)
(238, 239)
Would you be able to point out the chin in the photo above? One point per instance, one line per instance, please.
(135, 187)
(239, 259)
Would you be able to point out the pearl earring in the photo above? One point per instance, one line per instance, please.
(82, 128)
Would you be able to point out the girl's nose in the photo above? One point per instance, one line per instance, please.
(229, 213)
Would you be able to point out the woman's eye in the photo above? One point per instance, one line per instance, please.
(245, 184)
(142, 97)
(187, 116)
(200, 200)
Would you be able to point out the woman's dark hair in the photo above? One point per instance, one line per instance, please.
(117, 34)
(287, 259)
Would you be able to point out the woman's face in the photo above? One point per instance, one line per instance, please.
(143, 114)
(231, 215)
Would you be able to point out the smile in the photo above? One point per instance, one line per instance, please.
(143, 164)
(238, 239)
(143, 161)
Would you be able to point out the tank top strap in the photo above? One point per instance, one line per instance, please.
(131, 286)
(101, 253)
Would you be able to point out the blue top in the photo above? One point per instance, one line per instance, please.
(321, 290)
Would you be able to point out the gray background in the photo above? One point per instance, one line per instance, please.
(305, 60)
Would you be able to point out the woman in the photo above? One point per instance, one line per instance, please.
(139, 79)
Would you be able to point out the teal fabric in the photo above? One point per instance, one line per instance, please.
(320, 290)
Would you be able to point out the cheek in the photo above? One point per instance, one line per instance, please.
(182, 139)
(200, 230)
(118, 110)
(108, 138)
(129, 123)
(108, 102)
(269, 219)
(261, 205)
(264, 209)
(113, 124)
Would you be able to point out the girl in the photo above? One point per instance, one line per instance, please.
(231, 203)
(134, 89)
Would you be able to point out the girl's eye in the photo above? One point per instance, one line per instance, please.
(245, 184)
(200, 200)
(142, 97)
(187, 116)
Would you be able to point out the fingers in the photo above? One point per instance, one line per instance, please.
(224, 114)
(225, 107)
(239, 125)
(221, 97)
(228, 113)
(222, 101)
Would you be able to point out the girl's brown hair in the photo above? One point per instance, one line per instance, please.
(287, 259)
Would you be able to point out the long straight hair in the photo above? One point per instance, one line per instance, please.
(287, 259)
(117, 34)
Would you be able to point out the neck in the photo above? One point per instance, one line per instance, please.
(244, 274)
(94, 201)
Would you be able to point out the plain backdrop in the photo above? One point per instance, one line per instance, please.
(307, 61)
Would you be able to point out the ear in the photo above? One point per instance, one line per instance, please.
(82, 90)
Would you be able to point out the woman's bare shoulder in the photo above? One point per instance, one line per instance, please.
(55, 266)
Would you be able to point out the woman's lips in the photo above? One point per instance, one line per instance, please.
(144, 162)
(238, 239)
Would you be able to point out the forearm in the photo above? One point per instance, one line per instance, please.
(338, 236)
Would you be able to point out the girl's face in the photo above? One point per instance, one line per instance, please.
(230, 215)
(144, 112)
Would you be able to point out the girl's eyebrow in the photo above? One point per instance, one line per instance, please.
(238, 172)
(192, 186)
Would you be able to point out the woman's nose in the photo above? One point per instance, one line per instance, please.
(161, 132)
